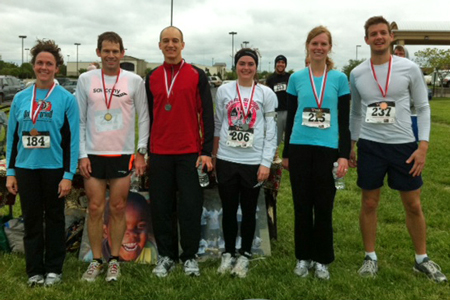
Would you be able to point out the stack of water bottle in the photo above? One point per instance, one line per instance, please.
(338, 181)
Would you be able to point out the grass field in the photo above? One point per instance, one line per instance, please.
(273, 277)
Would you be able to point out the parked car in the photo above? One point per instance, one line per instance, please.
(63, 80)
(9, 86)
(215, 80)
(70, 85)
(227, 81)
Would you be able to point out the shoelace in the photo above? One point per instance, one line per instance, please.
(114, 268)
(321, 267)
(368, 266)
(432, 266)
(163, 261)
(190, 264)
(303, 264)
(92, 267)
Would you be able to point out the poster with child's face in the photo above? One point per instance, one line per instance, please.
(138, 243)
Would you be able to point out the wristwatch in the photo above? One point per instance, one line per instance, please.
(142, 151)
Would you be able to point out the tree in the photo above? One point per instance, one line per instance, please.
(436, 59)
(63, 70)
(231, 76)
(352, 63)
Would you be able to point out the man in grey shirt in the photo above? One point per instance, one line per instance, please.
(380, 121)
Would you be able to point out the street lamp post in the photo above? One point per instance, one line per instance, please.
(171, 12)
(232, 47)
(22, 37)
(245, 43)
(357, 46)
(27, 49)
(77, 44)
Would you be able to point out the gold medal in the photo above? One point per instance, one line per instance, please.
(168, 107)
(383, 105)
(108, 117)
(319, 114)
(34, 132)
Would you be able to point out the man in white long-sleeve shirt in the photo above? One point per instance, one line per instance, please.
(109, 99)
(380, 122)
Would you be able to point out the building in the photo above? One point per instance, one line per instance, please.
(140, 66)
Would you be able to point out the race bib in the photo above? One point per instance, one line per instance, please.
(108, 120)
(35, 140)
(279, 87)
(381, 112)
(238, 137)
(316, 117)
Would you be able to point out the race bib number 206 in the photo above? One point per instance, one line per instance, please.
(240, 138)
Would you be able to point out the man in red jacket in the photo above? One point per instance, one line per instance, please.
(181, 138)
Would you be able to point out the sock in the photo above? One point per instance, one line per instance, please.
(420, 258)
(99, 260)
(372, 255)
(113, 257)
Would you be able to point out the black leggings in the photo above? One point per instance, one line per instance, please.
(237, 186)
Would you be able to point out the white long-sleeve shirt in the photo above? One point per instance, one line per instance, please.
(406, 83)
(261, 118)
(116, 136)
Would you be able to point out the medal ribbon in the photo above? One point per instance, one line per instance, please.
(169, 89)
(322, 87)
(252, 93)
(34, 114)
(108, 102)
(388, 78)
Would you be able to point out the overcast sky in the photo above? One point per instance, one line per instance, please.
(274, 27)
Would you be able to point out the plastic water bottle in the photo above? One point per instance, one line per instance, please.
(135, 180)
(339, 182)
(203, 177)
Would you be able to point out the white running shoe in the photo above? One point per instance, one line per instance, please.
(52, 279)
(302, 267)
(322, 271)
(95, 268)
(191, 267)
(113, 272)
(241, 268)
(227, 263)
(164, 266)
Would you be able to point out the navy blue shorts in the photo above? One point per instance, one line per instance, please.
(375, 160)
(110, 167)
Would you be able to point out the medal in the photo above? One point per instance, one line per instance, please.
(41, 104)
(319, 100)
(319, 113)
(246, 113)
(168, 106)
(383, 105)
(388, 80)
(108, 116)
(34, 132)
